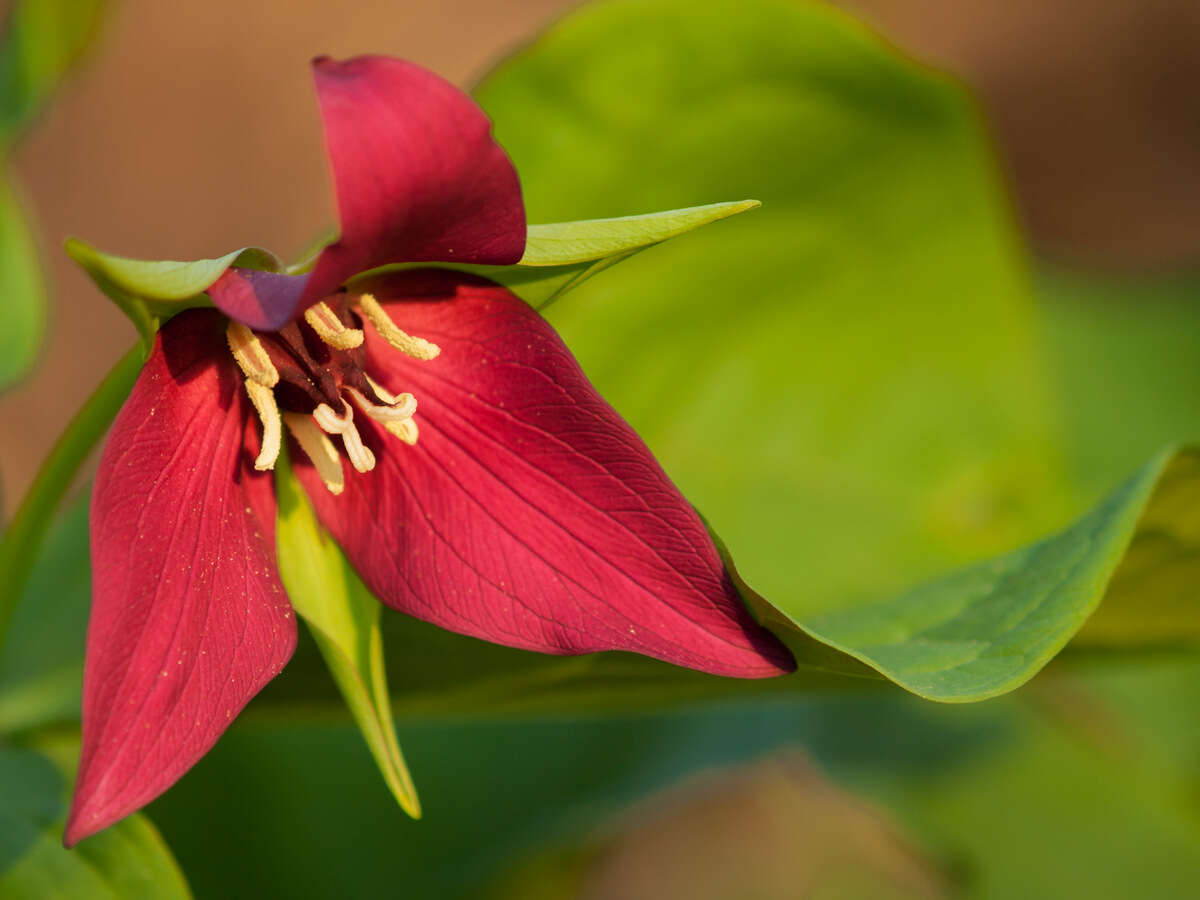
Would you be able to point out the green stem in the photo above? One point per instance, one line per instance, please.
(20, 543)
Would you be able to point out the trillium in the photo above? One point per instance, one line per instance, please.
(445, 436)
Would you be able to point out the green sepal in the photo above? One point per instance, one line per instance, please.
(565, 243)
(343, 617)
(151, 291)
(557, 258)
(561, 256)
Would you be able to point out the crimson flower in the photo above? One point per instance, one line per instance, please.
(523, 511)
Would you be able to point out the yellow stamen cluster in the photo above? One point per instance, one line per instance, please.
(313, 431)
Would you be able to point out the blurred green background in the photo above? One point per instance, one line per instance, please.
(953, 326)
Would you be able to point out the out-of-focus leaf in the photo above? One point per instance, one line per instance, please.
(39, 41)
(847, 384)
(1057, 814)
(1005, 797)
(127, 860)
(493, 789)
(1122, 354)
(344, 618)
(42, 665)
(22, 293)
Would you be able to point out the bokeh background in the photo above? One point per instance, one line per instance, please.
(190, 129)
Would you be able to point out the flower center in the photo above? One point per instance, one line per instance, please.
(311, 374)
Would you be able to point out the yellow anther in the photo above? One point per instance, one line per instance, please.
(417, 348)
(401, 407)
(251, 355)
(330, 329)
(406, 430)
(268, 413)
(319, 449)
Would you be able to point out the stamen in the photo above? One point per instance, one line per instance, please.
(401, 407)
(251, 355)
(406, 430)
(329, 327)
(319, 449)
(264, 404)
(417, 348)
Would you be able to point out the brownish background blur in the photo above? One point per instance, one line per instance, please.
(191, 129)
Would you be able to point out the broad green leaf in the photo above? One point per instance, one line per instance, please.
(989, 628)
(344, 619)
(585, 241)
(848, 384)
(1122, 354)
(39, 41)
(126, 860)
(22, 292)
(813, 376)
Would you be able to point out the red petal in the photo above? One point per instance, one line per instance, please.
(263, 301)
(529, 513)
(419, 177)
(188, 617)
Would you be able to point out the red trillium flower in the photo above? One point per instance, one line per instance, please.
(445, 435)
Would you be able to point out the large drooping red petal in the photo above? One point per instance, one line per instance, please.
(263, 301)
(528, 513)
(189, 619)
(419, 177)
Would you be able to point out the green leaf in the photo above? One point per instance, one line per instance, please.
(847, 384)
(22, 292)
(344, 619)
(39, 41)
(1048, 796)
(127, 860)
(41, 668)
(989, 628)
(586, 241)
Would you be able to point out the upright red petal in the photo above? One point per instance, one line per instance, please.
(188, 616)
(419, 177)
(529, 513)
